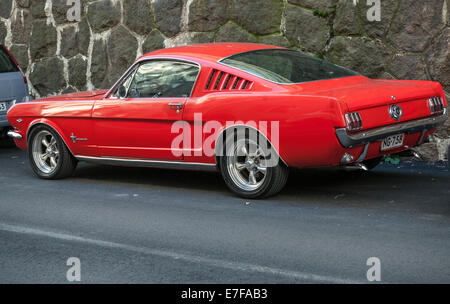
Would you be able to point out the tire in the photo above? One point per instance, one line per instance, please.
(372, 163)
(48, 154)
(236, 171)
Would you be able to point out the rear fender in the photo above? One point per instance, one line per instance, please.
(220, 139)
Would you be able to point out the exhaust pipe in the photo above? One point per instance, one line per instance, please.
(410, 153)
(359, 166)
(416, 155)
(362, 166)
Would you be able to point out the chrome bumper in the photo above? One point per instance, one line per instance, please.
(14, 135)
(415, 126)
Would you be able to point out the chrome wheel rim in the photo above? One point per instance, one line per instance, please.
(45, 152)
(246, 165)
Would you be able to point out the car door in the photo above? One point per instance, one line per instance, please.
(136, 120)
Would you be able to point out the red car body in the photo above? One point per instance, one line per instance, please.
(313, 130)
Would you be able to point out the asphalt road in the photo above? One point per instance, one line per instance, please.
(131, 225)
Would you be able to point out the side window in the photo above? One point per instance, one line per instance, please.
(163, 79)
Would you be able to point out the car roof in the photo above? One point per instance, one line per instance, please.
(211, 51)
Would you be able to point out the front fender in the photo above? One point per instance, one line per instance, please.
(47, 122)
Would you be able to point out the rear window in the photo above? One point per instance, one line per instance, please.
(7, 65)
(286, 66)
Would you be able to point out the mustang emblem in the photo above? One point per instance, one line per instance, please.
(396, 112)
(75, 139)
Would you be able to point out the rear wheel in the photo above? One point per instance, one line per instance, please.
(48, 154)
(245, 171)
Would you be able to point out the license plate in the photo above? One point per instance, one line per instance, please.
(2, 106)
(392, 142)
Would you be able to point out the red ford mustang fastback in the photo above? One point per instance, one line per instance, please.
(247, 110)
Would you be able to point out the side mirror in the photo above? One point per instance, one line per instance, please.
(122, 92)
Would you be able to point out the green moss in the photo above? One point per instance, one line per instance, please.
(323, 14)
(391, 159)
(320, 56)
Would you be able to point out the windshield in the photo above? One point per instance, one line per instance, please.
(286, 66)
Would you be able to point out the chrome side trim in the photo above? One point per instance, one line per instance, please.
(129, 162)
(362, 138)
(14, 135)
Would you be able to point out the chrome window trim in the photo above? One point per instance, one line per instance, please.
(279, 83)
(136, 162)
(144, 59)
(131, 74)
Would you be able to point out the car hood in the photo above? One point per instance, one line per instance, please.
(87, 95)
(362, 93)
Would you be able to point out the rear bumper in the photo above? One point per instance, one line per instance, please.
(415, 126)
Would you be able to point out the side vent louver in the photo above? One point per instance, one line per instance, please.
(222, 81)
(213, 73)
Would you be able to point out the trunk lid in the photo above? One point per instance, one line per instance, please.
(373, 98)
(363, 93)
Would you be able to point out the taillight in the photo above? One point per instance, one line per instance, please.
(436, 105)
(354, 121)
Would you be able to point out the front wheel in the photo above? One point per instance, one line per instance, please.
(245, 171)
(48, 154)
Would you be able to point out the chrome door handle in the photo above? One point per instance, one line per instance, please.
(177, 106)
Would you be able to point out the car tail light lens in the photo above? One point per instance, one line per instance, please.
(436, 105)
(354, 121)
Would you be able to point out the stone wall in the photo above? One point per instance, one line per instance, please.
(410, 42)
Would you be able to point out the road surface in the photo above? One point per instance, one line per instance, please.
(132, 225)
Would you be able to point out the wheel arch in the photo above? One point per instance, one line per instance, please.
(33, 125)
(217, 153)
